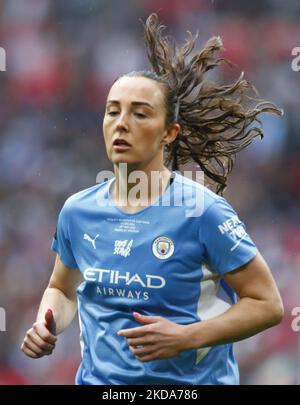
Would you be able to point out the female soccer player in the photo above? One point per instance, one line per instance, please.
(156, 277)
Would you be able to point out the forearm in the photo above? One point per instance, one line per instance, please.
(244, 319)
(63, 308)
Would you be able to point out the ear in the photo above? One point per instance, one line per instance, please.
(170, 134)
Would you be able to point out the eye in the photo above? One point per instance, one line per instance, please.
(140, 115)
(112, 113)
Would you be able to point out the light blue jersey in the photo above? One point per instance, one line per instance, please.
(161, 261)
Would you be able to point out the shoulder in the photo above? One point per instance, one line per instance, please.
(194, 190)
(87, 197)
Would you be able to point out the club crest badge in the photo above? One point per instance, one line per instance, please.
(163, 247)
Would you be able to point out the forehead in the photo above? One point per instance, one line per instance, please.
(128, 89)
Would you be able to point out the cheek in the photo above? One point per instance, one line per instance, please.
(152, 135)
(105, 129)
(147, 142)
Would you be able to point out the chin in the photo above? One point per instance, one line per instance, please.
(122, 159)
(117, 158)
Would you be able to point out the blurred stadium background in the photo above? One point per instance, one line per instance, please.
(62, 56)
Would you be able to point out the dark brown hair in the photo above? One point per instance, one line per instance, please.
(217, 121)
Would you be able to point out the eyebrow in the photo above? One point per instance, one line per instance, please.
(135, 103)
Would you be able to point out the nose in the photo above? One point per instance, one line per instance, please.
(122, 124)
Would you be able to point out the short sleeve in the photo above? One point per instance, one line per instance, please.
(61, 241)
(227, 245)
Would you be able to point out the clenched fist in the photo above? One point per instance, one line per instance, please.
(40, 339)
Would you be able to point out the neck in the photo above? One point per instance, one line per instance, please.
(139, 185)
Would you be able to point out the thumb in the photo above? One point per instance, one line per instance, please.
(146, 319)
(49, 321)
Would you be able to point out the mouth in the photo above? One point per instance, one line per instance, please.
(121, 142)
(120, 145)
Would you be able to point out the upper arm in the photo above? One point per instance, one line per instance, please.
(254, 280)
(65, 278)
(61, 243)
(226, 245)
